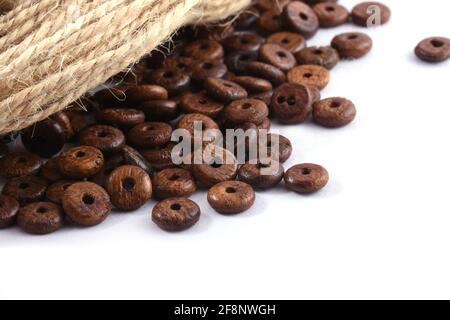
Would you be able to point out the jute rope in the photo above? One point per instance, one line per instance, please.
(54, 51)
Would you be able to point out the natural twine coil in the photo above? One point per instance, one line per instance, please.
(54, 51)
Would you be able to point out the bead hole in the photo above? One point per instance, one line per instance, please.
(80, 154)
(246, 106)
(168, 74)
(174, 177)
(330, 9)
(41, 210)
(353, 37)
(21, 160)
(23, 185)
(128, 184)
(291, 101)
(208, 66)
(306, 171)
(230, 190)
(285, 41)
(88, 199)
(102, 134)
(281, 54)
(175, 206)
(437, 43)
(303, 16)
(335, 105)
(318, 52)
(307, 75)
(202, 101)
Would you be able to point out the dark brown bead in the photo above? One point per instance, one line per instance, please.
(352, 45)
(277, 5)
(9, 207)
(306, 178)
(160, 110)
(253, 84)
(222, 167)
(270, 22)
(129, 187)
(246, 110)
(266, 71)
(262, 175)
(291, 103)
(105, 138)
(41, 218)
(309, 75)
(64, 121)
(238, 60)
(175, 214)
(146, 92)
(80, 120)
(291, 41)
(45, 138)
(183, 64)
(369, 14)
(277, 56)
(435, 49)
(56, 190)
(204, 49)
(111, 163)
(334, 112)
(208, 69)
(331, 14)
(19, 164)
(25, 189)
(200, 103)
(243, 41)
(279, 148)
(326, 57)
(81, 162)
(134, 158)
(50, 170)
(224, 90)
(159, 158)
(174, 182)
(172, 79)
(111, 96)
(299, 17)
(188, 122)
(150, 134)
(86, 203)
(121, 117)
(231, 197)
(216, 32)
(246, 19)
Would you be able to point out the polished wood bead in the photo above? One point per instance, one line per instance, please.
(261, 175)
(326, 57)
(277, 56)
(246, 110)
(9, 207)
(370, 14)
(25, 189)
(291, 41)
(291, 103)
(299, 17)
(123, 118)
(231, 197)
(81, 162)
(176, 214)
(105, 138)
(174, 182)
(435, 49)
(331, 14)
(224, 90)
(334, 112)
(56, 190)
(150, 134)
(306, 178)
(309, 75)
(352, 45)
(41, 218)
(19, 164)
(36, 138)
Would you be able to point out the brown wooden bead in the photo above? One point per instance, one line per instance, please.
(81, 162)
(237, 61)
(111, 163)
(246, 110)
(208, 69)
(174, 182)
(146, 92)
(134, 158)
(150, 134)
(224, 90)
(291, 41)
(291, 103)
(129, 187)
(309, 75)
(111, 96)
(200, 103)
(121, 117)
(50, 170)
(9, 207)
(334, 112)
(272, 5)
(231, 197)
(266, 71)
(306, 178)
(277, 56)
(41, 218)
(172, 79)
(25, 189)
(80, 120)
(243, 41)
(160, 157)
(86, 203)
(204, 49)
(270, 22)
(252, 84)
(262, 175)
(435, 49)
(160, 110)
(279, 148)
(246, 19)
(352, 45)
(45, 138)
(326, 57)
(366, 14)
(56, 190)
(331, 14)
(19, 164)
(105, 138)
(183, 64)
(299, 17)
(222, 167)
(64, 121)
(175, 214)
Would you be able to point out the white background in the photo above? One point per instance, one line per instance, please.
(380, 229)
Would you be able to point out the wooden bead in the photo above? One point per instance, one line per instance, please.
(262, 175)
(272, 5)
(129, 187)
(50, 170)
(9, 207)
(134, 158)
(188, 122)
(25, 189)
(291, 41)
(105, 138)
(41, 218)
(334, 112)
(208, 69)
(204, 49)
(309, 75)
(174, 182)
(45, 138)
(326, 57)
(64, 121)
(231, 197)
(176, 214)
(299, 17)
(352, 45)
(237, 61)
(291, 103)
(172, 79)
(201, 103)
(86, 203)
(111, 96)
(246, 110)
(80, 120)
(160, 110)
(182, 64)
(279, 148)
(121, 117)
(246, 19)
(150, 134)
(145, 92)
(81, 162)
(160, 157)
(270, 22)
(306, 178)
(277, 56)
(253, 85)
(331, 14)
(435, 49)
(224, 90)
(369, 14)
(243, 41)
(111, 163)
(19, 164)
(266, 71)
(56, 190)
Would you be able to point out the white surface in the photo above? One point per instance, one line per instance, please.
(381, 229)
